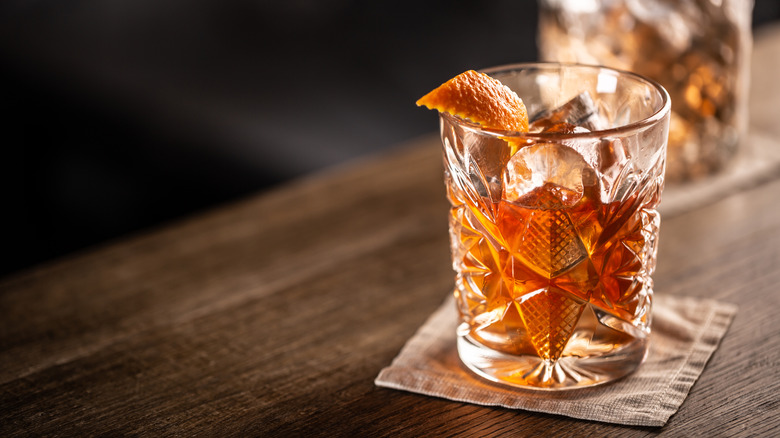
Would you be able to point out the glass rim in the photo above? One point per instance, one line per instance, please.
(618, 131)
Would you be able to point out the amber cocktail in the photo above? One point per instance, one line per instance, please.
(554, 231)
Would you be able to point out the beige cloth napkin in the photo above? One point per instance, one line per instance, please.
(685, 333)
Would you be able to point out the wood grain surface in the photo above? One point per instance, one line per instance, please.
(271, 317)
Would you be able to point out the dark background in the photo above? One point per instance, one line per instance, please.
(123, 115)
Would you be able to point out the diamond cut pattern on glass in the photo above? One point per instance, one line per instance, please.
(527, 269)
(550, 317)
(550, 243)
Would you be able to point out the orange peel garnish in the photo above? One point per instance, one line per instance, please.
(478, 97)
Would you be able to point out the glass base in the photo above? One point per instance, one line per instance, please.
(568, 372)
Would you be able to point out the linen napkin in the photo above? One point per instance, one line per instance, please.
(685, 333)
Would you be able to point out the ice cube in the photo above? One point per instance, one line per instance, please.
(485, 159)
(580, 112)
(587, 147)
(613, 158)
(541, 164)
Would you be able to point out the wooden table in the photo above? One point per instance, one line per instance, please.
(273, 316)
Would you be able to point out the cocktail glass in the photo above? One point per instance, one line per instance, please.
(554, 232)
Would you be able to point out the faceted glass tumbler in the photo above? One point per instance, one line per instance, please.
(554, 232)
(699, 50)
